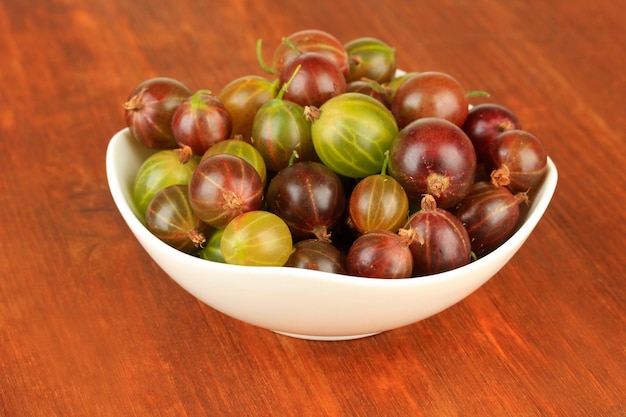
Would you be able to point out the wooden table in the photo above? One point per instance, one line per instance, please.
(90, 326)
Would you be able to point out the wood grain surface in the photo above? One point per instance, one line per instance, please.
(90, 326)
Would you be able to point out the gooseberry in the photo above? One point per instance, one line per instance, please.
(222, 187)
(257, 238)
(150, 108)
(169, 217)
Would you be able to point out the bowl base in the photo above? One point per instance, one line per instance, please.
(326, 338)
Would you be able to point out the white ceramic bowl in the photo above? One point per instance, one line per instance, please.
(305, 303)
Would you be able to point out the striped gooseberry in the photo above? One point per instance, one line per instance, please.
(150, 108)
(309, 196)
(169, 217)
(370, 58)
(517, 160)
(222, 187)
(201, 121)
(351, 133)
(279, 129)
(243, 97)
(242, 149)
(378, 202)
(381, 254)
(256, 238)
(161, 169)
(309, 40)
(490, 214)
(443, 242)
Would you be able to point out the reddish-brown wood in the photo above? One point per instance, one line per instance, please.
(89, 326)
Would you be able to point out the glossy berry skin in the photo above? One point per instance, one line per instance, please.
(430, 94)
(379, 254)
(243, 97)
(150, 108)
(444, 244)
(169, 217)
(378, 202)
(517, 160)
(372, 59)
(222, 187)
(352, 134)
(490, 215)
(242, 149)
(256, 238)
(309, 197)
(311, 40)
(317, 80)
(161, 169)
(484, 122)
(433, 156)
(317, 254)
(280, 129)
(200, 122)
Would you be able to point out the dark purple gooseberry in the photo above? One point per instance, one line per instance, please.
(170, 218)
(517, 160)
(430, 94)
(484, 122)
(381, 254)
(222, 187)
(318, 79)
(150, 108)
(200, 122)
(490, 215)
(309, 197)
(317, 254)
(433, 156)
(310, 40)
(443, 242)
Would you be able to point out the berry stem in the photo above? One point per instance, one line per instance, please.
(285, 86)
(184, 153)
(196, 102)
(477, 93)
(293, 157)
(500, 177)
(311, 113)
(135, 102)
(383, 170)
(259, 57)
(428, 203)
(292, 46)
